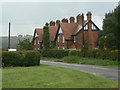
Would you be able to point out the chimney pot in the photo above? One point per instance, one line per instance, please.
(52, 23)
(57, 22)
(72, 19)
(64, 20)
(89, 14)
(46, 24)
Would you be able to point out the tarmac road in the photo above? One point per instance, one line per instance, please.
(107, 72)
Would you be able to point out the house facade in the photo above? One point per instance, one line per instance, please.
(75, 35)
(69, 34)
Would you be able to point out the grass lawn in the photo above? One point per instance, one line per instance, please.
(52, 77)
(90, 61)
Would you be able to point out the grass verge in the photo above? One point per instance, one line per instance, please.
(90, 61)
(52, 77)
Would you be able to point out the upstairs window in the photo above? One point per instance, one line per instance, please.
(93, 27)
(74, 39)
(86, 27)
(63, 47)
(58, 39)
(63, 39)
(38, 42)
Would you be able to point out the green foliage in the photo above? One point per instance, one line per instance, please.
(101, 54)
(52, 45)
(90, 61)
(46, 41)
(71, 59)
(28, 58)
(25, 45)
(54, 53)
(45, 76)
(101, 43)
(110, 34)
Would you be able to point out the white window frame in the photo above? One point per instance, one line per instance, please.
(74, 39)
(58, 39)
(63, 47)
(38, 42)
(58, 47)
(63, 39)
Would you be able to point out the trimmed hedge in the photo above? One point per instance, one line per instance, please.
(28, 58)
(101, 54)
(54, 53)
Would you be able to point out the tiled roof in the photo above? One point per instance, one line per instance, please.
(68, 29)
(71, 29)
(39, 33)
(52, 33)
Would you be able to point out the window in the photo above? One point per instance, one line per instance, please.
(58, 38)
(38, 42)
(63, 47)
(86, 27)
(93, 27)
(74, 39)
(58, 47)
(63, 39)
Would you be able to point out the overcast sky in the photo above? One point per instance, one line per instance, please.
(27, 16)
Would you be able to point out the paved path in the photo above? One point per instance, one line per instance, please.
(107, 72)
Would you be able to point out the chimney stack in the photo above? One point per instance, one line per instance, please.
(57, 22)
(72, 19)
(64, 20)
(46, 24)
(52, 23)
(80, 19)
(89, 14)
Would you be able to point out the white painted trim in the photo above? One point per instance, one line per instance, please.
(60, 31)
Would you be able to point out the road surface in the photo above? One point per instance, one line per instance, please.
(107, 72)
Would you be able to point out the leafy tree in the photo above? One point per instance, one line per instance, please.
(46, 41)
(110, 36)
(25, 45)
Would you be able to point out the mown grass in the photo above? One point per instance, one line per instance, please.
(52, 77)
(90, 61)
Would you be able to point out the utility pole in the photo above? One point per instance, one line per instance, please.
(9, 37)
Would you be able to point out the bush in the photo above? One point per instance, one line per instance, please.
(71, 59)
(28, 58)
(54, 53)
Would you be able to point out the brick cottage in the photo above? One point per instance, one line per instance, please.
(69, 35)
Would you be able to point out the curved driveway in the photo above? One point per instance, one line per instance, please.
(107, 72)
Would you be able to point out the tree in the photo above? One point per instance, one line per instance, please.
(110, 35)
(25, 45)
(46, 41)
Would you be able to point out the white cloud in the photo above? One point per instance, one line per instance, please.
(59, 0)
(98, 21)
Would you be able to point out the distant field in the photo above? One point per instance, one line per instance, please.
(52, 77)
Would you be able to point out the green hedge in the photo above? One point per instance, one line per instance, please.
(101, 54)
(28, 58)
(54, 53)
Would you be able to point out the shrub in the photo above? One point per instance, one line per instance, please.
(71, 59)
(75, 53)
(54, 53)
(28, 58)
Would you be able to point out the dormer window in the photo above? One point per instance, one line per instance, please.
(74, 39)
(58, 39)
(63, 39)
